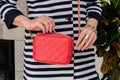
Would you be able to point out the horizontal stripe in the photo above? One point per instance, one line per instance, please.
(84, 62)
(49, 70)
(48, 75)
(85, 75)
(83, 59)
(32, 8)
(42, 67)
(47, 4)
(84, 66)
(48, 78)
(91, 77)
(85, 69)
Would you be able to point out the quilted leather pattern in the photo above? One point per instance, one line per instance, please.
(53, 48)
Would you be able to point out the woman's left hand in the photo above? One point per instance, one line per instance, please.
(86, 38)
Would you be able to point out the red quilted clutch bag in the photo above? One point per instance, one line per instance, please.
(53, 48)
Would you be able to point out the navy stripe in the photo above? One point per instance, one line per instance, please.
(28, 43)
(28, 50)
(48, 5)
(58, 16)
(85, 75)
(48, 76)
(35, 63)
(49, 69)
(88, 50)
(84, 56)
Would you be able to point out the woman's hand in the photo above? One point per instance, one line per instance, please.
(87, 36)
(44, 23)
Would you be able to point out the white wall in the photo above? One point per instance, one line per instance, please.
(98, 65)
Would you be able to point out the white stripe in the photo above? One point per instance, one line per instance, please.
(61, 20)
(12, 1)
(28, 34)
(94, 7)
(83, 59)
(60, 78)
(28, 47)
(50, 14)
(81, 9)
(28, 40)
(83, 66)
(76, 22)
(82, 2)
(28, 53)
(88, 77)
(91, 76)
(94, 11)
(50, 8)
(49, 72)
(4, 6)
(84, 72)
(82, 16)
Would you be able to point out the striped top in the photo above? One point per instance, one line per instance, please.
(64, 13)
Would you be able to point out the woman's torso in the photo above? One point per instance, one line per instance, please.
(64, 13)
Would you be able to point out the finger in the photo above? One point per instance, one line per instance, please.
(50, 21)
(80, 38)
(85, 39)
(40, 25)
(45, 22)
(82, 35)
(51, 25)
(92, 42)
(89, 42)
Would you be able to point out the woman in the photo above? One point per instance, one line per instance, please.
(61, 15)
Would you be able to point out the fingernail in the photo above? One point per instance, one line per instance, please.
(76, 45)
(43, 32)
(82, 49)
(79, 49)
(50, 31)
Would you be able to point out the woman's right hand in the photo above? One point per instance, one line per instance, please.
(44, 23)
